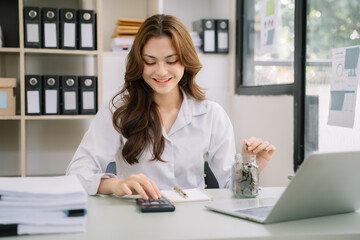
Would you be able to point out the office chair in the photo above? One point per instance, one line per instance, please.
(210, 179)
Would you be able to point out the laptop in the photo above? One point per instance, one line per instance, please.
(325, 184)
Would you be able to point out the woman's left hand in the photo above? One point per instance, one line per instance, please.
(263, 150)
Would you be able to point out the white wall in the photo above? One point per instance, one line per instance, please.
(271, 118)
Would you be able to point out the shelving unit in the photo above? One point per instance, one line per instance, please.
(44, 145)
(31, 61)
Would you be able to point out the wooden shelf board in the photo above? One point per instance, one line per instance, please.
(60, 51)
(10, 50)
(59, 117)
(10, 117)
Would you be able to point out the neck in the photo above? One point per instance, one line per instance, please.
(168, 102)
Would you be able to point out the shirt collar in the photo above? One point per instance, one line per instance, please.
(190, 108)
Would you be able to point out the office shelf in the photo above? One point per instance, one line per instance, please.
(19, 61)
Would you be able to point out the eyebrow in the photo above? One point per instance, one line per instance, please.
(171, 55)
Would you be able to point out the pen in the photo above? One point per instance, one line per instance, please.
(180, 192)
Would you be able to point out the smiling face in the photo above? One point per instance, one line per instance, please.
(162, 69)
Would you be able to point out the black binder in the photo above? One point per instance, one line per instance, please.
(69, 95)
(33, 92)
(88, 94)
(222, 35)
(68, 38)
(50, 28)
(206, 29)
(51, 94)
(87, 29)
(8, 230)
(32, 27)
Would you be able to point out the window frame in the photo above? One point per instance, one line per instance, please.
(271, 89)
(297, 89)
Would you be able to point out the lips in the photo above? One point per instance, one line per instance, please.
(165, 80)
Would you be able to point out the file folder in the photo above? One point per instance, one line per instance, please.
(33, 91)
(51, 94)
(222, 35)
(68, 18)
(87, 29)
(206, 29)
(32, 27)
(88, 94)
(69, 95)
(50, 27)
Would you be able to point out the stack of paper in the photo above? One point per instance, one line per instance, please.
(38, 205)
(196, 40)
(124, 33)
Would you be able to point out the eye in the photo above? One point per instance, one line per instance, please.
(173, 62)
(149, 63)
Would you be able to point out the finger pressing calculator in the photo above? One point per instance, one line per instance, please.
(155, 205)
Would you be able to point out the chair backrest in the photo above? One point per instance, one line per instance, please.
(111, 168)
(210, 179)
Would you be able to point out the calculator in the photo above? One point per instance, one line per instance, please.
(155, 205)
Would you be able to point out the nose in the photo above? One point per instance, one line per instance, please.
(161, 70)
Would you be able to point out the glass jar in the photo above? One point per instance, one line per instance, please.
(245, 176)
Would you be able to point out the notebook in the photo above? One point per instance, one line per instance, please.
(325, 184)
(194, 195)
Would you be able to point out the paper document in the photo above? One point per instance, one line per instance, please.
(193, 194)
(344, 84)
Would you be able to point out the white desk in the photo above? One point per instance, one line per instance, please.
(119, 218)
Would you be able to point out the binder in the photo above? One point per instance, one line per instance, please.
(69, 95)
(206, 29)
(68, 38)
(32, 27)
(50, 28)
(33, 89)
(51, 85)
(88, 94)
(222, 35)
(87, 30)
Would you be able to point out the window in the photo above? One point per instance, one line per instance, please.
(265, 46)
(301, 64)
(330, 25)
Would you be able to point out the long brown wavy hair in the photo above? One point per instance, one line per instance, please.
(137, 117)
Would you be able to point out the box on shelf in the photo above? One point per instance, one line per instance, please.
(7, 96)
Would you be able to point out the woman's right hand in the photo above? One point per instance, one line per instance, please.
(135, 184)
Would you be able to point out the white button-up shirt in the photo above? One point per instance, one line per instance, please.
(202, 128)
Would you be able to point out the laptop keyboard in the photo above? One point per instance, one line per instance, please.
(260, 212)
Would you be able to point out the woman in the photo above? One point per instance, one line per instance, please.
(159, 127)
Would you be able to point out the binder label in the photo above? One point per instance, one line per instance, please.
(32, 99)
(50, 35)
(88, 100)
(209, 41)
(223, 40)
(32, 33)
(51, 101)
(70, 101)
(87, 35)
(69, 36)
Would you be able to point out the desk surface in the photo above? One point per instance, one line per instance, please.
(119, 218)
